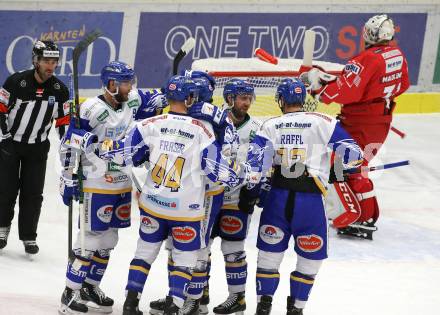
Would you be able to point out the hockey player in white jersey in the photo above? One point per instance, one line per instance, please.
(106, 186)
(298, 146)
(238, 202)
(226, 134)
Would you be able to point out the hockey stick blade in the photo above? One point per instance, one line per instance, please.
(184, 50)
(85, 42)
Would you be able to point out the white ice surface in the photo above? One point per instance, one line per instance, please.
(396, 274)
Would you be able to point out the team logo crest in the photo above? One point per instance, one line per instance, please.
(172, 87)
(23, 83)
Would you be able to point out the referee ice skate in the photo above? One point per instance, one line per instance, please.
(29, 102)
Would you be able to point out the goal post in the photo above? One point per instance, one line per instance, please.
(264, 76)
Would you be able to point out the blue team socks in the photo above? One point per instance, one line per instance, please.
(300, 286)
(236, 275)
(179, 279)
(267, 281)
(137, 275)
(98, 265)
(77, 271)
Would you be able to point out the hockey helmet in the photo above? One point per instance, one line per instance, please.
(46, 49)
(377, 29)
(236, 87)
(205, 89)
(180, 88)
(292, 91)
(117, 71)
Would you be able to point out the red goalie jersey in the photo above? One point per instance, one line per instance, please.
(369, 83)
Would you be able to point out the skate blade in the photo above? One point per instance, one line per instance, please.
(203, 310)
(96, 309)
(63, 310)
(236, 313)
(155, 312)
(31, 257)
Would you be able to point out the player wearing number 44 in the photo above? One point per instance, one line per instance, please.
(294, 205)
(106, 186)
(182, 151)
(366, 89)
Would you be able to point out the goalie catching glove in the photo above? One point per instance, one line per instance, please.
(315, 80)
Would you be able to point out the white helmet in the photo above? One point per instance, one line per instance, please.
(377, 29)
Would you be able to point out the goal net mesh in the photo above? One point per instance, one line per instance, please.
(265, 78)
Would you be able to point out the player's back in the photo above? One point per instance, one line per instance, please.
(174, 187)
(300, 143)
(385, 70)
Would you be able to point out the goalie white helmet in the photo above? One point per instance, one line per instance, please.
(377, 29)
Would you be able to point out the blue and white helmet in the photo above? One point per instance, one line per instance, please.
(180, 88)
(118, 71)
(194, 74)
(292, 91)
(236, 87)
(205, 89)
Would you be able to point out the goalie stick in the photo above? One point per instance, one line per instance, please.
(74, 112)
(184, 50)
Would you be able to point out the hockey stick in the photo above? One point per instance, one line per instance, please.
(308, 48)
(364, 169)
(74, 110)
(398, 132)
(184, 50)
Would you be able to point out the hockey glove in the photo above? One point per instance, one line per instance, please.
(69, 188)
(264, 193)
(79, 139)
(209, 113)
(246, 202)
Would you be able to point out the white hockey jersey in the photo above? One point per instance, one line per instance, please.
(181, 151)
(100, 118)
(246, 132)
(306, 138)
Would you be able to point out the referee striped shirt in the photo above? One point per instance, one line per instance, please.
(28, 108)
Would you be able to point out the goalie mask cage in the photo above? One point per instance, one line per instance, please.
(264, 76)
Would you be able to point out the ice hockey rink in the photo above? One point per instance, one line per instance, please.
(396, 274)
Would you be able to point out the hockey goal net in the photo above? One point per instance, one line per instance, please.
(264, 76)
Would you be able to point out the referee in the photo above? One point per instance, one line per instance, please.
(29, 102)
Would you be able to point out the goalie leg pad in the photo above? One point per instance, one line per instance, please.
(364, 190)
(348, 201)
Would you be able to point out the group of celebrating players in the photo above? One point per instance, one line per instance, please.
(208, 167)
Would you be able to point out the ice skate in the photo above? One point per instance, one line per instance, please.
(204, 301)
(291, 309)
(131, 304)
(170, 307)
(234, 304)
(157, 306)
(71, 303)
(95, 299)
(264, 306)
(4, 233)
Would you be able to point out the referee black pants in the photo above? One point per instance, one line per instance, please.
(22, 169)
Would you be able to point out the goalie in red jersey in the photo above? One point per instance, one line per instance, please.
(366, 89)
